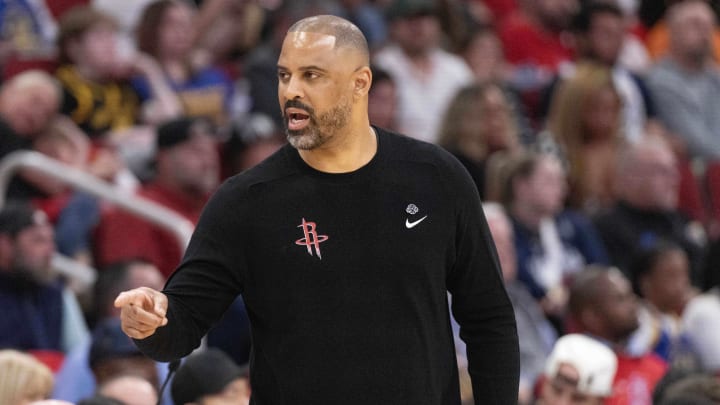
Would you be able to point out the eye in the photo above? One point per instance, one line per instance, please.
(283, 76)
(310, 75)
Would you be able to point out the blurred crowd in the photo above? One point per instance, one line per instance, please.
(590, 127)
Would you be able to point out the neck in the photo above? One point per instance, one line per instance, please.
(349, 152)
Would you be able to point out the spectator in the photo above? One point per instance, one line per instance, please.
(23, 379)
(661, 277)
(600, 33)
(28, 105)
(75, 379)
(186, 172)
(685, 83)
(383, 100)
(586, 121)
(113, 354)
(479, 122)
(538, 335)
(552, 243)
(580, 370)
(129, 389)
(28, 29)
(536, 44)
(603, 305)
(39, 313)
(166, 32)
(483, 52)
(646, 210)
(209, 377)
(701, 323)
(28, 102)
(95, 78)
(252, 139)
(419, 67)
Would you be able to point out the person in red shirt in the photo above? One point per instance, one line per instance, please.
(186, 172)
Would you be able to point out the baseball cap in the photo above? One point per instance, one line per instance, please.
(203, 373)
(179, 130)
(110, 342)
(595, 363)
(15, 217)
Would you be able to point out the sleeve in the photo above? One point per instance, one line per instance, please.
(481, 306)
(206, 282)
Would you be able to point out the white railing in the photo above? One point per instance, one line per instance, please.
(176, 224)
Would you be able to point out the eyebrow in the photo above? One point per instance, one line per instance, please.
(304, 68)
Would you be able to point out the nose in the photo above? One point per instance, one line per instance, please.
(293, 89)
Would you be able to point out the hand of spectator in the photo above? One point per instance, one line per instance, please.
(142, 311)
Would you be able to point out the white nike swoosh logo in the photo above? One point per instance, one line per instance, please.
(409, 224)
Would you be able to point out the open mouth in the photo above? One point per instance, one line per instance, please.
(297, 119)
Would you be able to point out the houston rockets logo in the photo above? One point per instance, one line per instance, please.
(311, 239)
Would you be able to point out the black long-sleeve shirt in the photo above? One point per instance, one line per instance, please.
(345, 277)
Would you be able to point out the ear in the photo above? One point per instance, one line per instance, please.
(362, 79)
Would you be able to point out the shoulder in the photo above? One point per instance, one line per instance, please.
(403, 148)
(277, 166)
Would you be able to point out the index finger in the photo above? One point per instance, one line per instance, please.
(132, 297)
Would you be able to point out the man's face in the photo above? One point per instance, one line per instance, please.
(561, 389)
(692, 29)
(195, 163)
(618, 306)
(654, 179)
(30, 108)
(417, 34)
(605, 37)
(33, 250)
(235, 393)
(314, 88)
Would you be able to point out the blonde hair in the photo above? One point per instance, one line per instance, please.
(23, 378)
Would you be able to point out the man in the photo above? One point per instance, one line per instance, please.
(75, 379)
(339, 313)
(552, 243)
(579, 371)
(602, 305)
(39, 313)
(427, 77)
(646, 212)
(210, 377)
(685, 84)
(187, 170)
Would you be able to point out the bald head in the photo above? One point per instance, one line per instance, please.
(347, 35)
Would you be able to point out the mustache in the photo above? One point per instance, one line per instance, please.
(298, 104)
